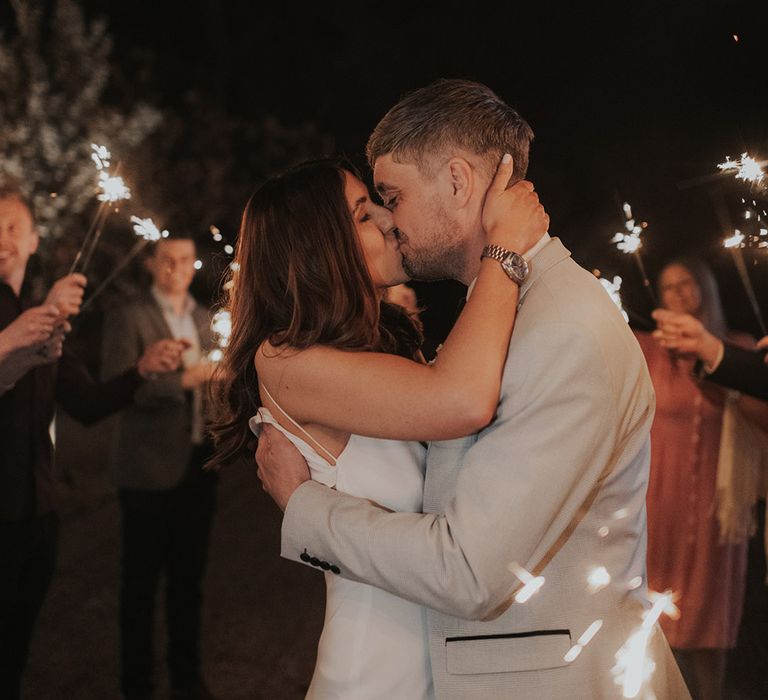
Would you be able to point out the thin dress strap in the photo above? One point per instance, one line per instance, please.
(311, 439)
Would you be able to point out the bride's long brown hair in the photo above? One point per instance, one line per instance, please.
(299, 279)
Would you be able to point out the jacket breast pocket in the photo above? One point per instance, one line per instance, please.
(507, 653)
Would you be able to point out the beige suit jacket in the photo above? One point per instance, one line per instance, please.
(555, 484)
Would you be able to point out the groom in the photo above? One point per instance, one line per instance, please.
(553, 488)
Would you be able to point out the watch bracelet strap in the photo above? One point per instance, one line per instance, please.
(496, 252)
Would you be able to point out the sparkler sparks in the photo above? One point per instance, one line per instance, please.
(147, 232)
(531, 583)
(113, 188)
(750, 171)
(633, 667)
(100, 156)
(630, 241)
(664, 603)
(582, 641)
(627, 242)
(146, 229)
(598, 579)
(745, 168)
(614, 289)
(735, 244)
(734, 241)
(221, 326)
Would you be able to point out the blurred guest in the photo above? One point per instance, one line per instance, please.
(687, 551)
(36, 337)
(166, 498)
(742, 369)
(35, 376)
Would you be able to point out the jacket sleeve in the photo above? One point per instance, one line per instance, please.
(521, 486)
(122, 346)
(88, 400)
(743, 370)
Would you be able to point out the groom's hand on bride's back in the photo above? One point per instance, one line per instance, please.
(279, 466)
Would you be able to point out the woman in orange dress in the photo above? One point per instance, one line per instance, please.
(685, 553)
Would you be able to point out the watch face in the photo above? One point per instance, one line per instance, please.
(516, 267)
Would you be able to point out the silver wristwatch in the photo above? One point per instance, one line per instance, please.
(512, 263)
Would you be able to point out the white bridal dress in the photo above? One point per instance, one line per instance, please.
(374, 644)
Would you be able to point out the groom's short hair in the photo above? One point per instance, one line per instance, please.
(450, 113)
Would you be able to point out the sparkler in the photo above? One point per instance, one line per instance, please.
(146, 229)
(222, 330)
(531, 583)
(735, 244)
(147, 232)
(112, 190)
(598, 579)
(633, 667)
(582, 641)
(745, 168)
(631, 243)
(750, 171)
(614, 291)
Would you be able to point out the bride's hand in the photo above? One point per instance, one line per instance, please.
(512, 217)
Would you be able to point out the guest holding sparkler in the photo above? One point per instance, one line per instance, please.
(34, 338)
(729, 365)
(36, 372)
(167, 499)
(690, 549)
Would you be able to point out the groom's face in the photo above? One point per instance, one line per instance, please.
(431, 238)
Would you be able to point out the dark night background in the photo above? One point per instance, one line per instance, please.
(629, 102)
(634, 102)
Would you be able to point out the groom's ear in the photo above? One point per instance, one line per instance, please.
(462, 182)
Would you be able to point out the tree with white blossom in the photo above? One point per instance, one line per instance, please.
(54, 70)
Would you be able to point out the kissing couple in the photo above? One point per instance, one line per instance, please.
(537, 413)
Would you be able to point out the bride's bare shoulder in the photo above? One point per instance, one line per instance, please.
(269, 357)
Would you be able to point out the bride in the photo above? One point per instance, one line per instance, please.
(317, 353)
